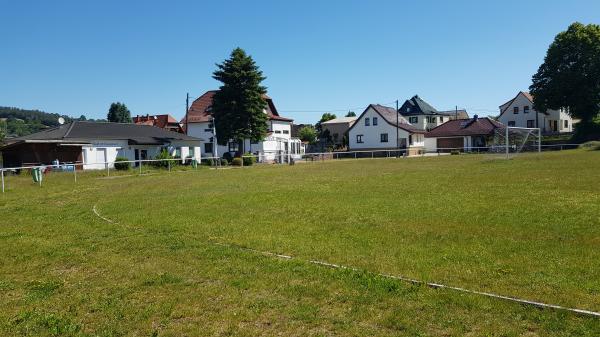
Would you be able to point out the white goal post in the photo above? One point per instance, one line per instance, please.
(514, 140)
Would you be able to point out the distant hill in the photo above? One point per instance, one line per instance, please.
(17, 122)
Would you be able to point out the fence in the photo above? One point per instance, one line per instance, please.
(261, 159)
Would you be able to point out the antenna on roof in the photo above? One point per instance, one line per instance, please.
(61, 120)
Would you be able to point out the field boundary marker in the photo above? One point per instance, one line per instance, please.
(394, 277)
(418, 282)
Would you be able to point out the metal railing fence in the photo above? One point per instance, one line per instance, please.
(280, 158)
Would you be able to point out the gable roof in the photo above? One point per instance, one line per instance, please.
(527, 95)
(466, 127)
(389, 115)
(417, 106)
(200, 110)
(341, 120)
(80, 131)
(165, 121)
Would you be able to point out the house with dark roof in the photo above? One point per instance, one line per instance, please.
(422, 115)
(278, 146)
(95, 143)
(462, 134)
(519, 112)
(165, 121)
(383, 128)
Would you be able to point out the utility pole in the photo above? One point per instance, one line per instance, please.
(456, 112)
(397, 133)
(215, 154)
(187, 107)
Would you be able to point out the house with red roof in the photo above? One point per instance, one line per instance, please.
(166, 121)
(519, 112)
(278, 145)
(462, 134)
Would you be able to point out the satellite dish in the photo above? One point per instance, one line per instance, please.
(61, 120)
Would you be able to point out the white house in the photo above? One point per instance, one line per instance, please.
(519, 112)
(278, 146)
(95, 143)
(422, 115)
(377, 128)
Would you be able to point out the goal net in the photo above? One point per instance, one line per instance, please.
(511, 141)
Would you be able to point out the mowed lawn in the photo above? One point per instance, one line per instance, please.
(527, 227)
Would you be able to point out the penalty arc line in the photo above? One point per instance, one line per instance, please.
(396, 277)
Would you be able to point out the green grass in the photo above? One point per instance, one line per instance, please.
(528, 227)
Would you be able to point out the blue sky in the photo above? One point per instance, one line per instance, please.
(76, 57)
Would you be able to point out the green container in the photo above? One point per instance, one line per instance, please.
(36, 174)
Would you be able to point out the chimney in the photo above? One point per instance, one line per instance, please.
(475, 118)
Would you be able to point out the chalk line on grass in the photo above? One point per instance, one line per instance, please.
(418, 282)
(101, 217)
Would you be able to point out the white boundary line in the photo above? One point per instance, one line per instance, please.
(396, 277)
(103, 218)
(413, 281)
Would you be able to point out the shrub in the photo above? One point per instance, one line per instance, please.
(237, 161)
(208, 162)
(227, 156)
(122, 164)
(454, 152)
(593, 145)
(248, 161)
(224, 162)
(164, 154)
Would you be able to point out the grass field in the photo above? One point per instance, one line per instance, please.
(528, 227)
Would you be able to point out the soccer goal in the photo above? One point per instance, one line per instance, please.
(511, 141)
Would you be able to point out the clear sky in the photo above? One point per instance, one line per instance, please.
(76, 57)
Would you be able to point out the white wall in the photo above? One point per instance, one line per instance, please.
(544, 121)
(281, 134)
(372, 134)
(109, 150)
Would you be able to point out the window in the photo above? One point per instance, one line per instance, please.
(191, 151)
(413, 120)
(286, 132)
(367, 121)
(566, 124)
(441, 119)
(277, 131)
(516, 110)
(526, 109)
(511, 123)
(233, 146)
(530, 123)
(208, 130)
(410, 139)
(208, 148)
(359, 139)
(383, 137)
(430, 119)
(374, 121)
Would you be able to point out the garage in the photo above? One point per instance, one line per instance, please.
(445, 144)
